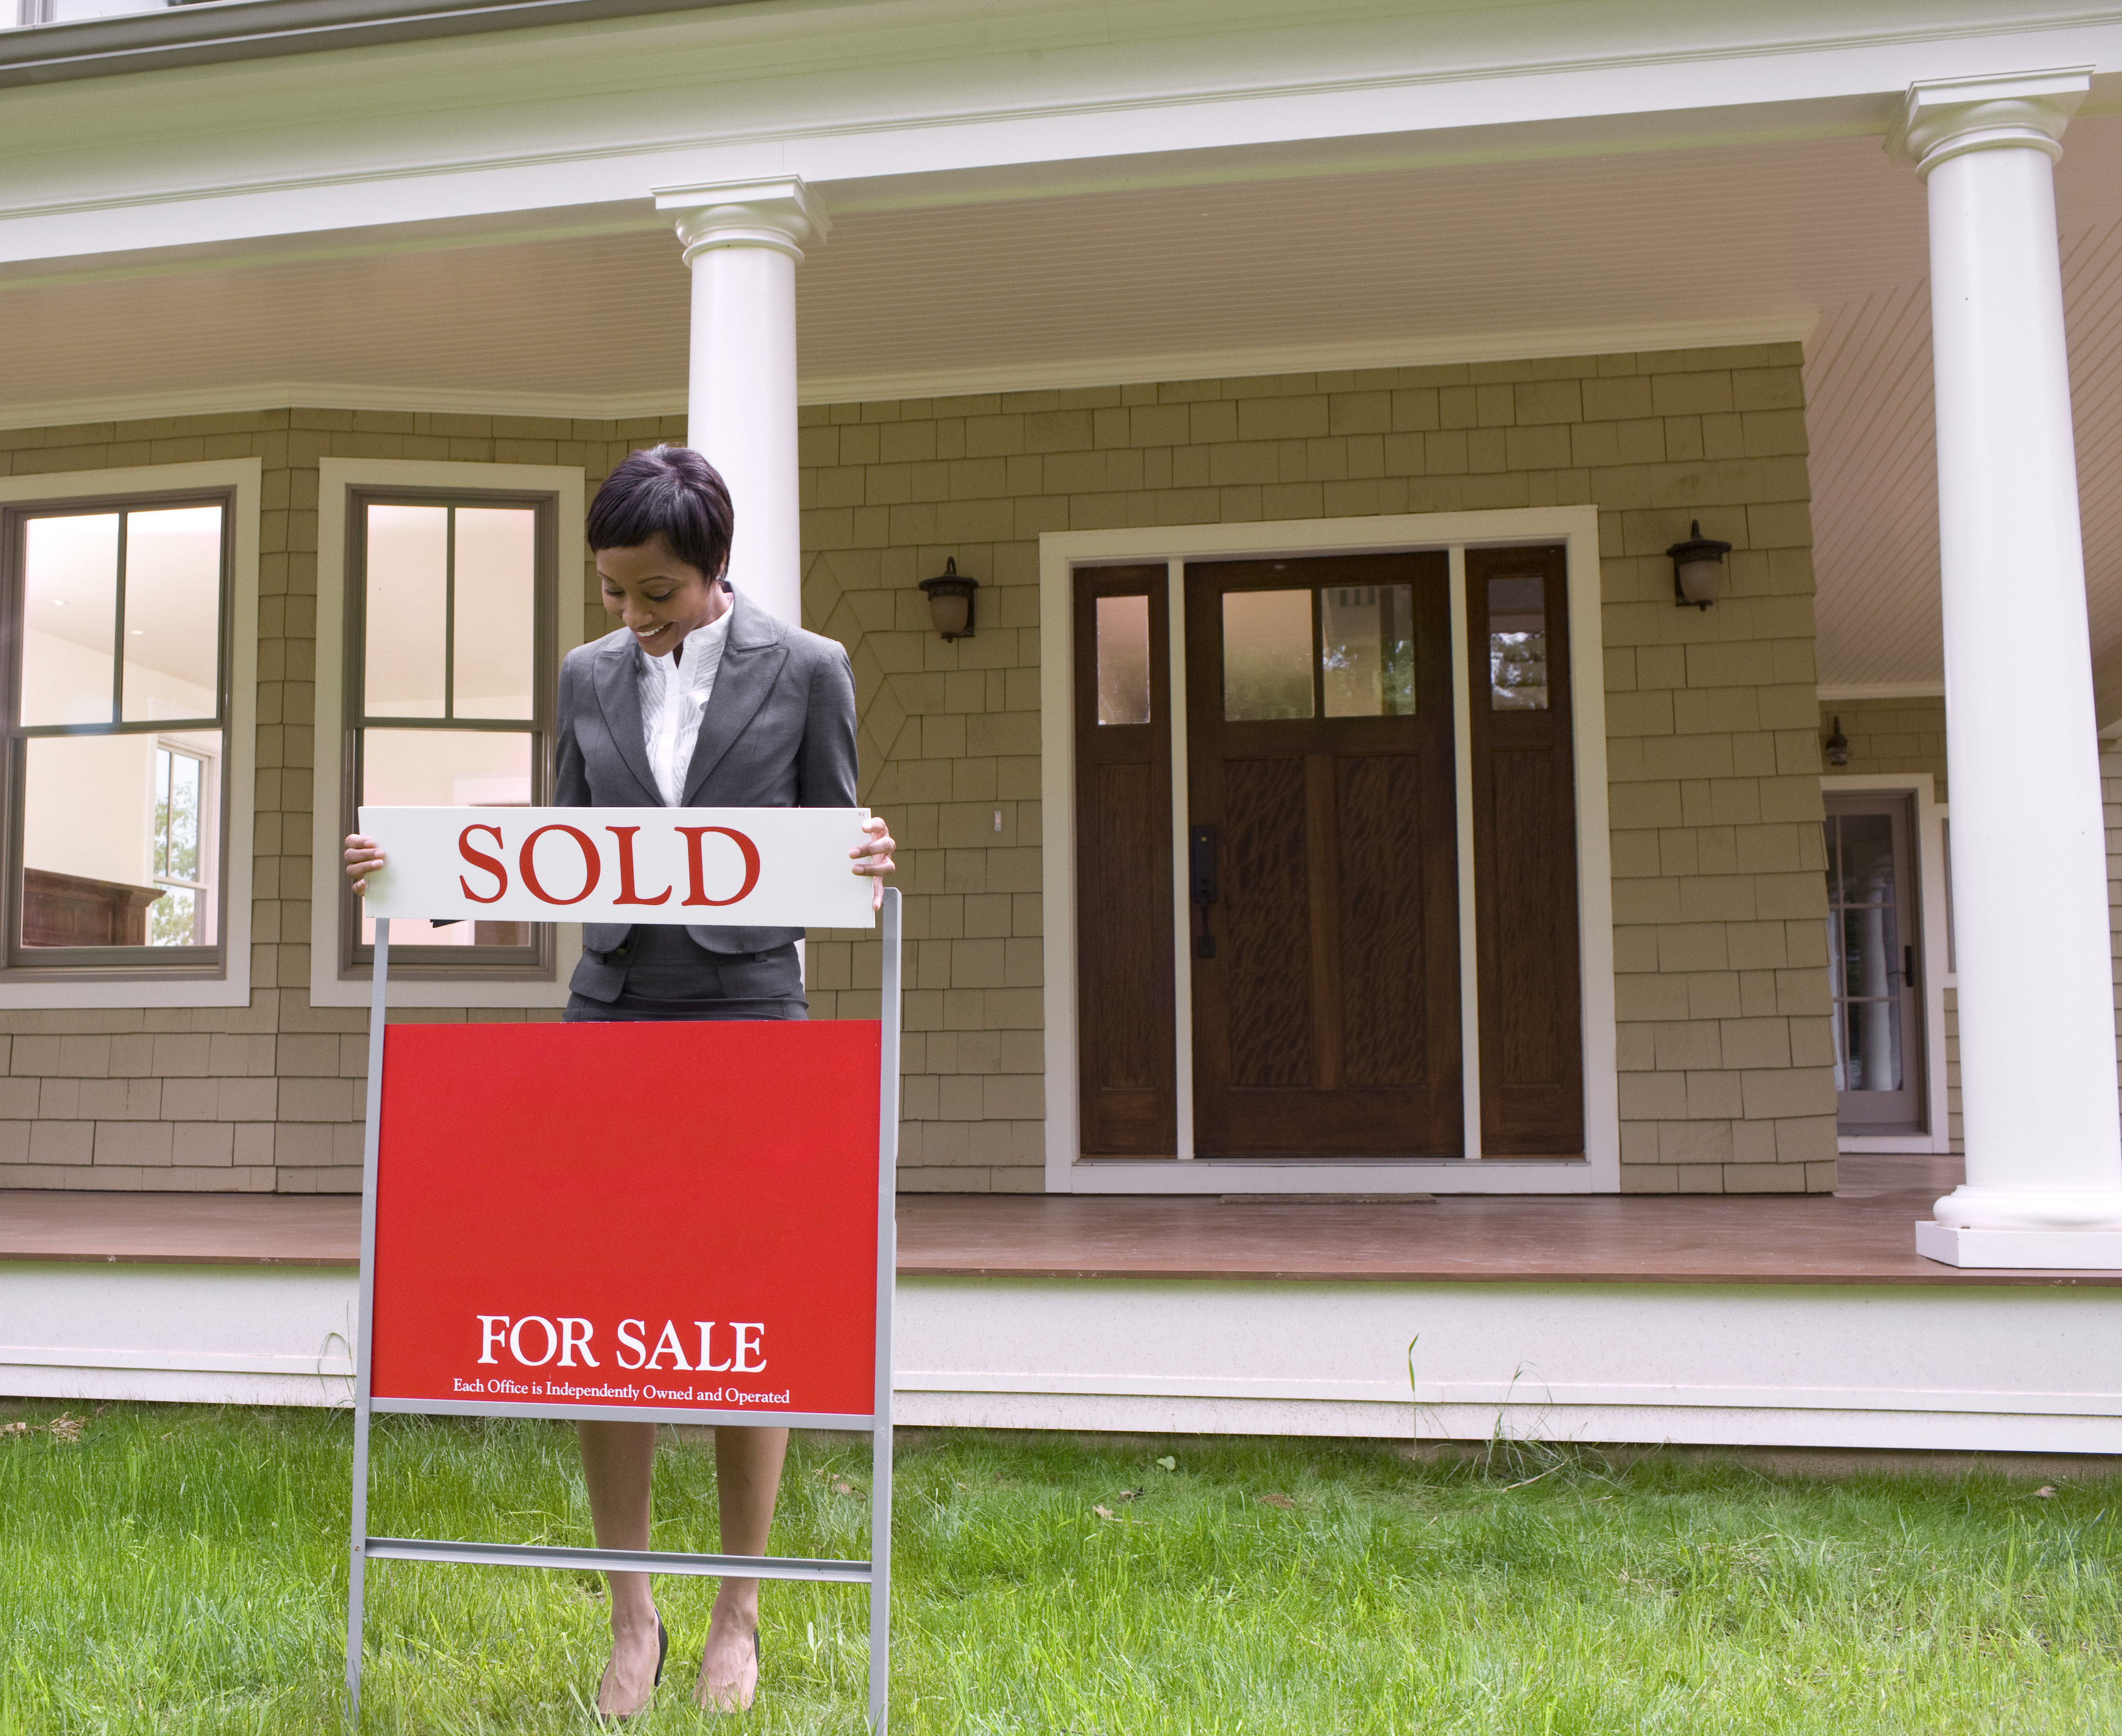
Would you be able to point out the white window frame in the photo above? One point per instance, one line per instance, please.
(337, 479)
(244, 478)
(1060, 553)
(1928, 836)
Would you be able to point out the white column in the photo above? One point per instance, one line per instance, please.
(744, 240)
(2037, 1054)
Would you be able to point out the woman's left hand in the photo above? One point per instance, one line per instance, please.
(874, 856)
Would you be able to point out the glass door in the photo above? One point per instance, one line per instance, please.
(1875, 949)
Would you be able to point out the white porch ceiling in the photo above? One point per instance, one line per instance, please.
(1651, 248)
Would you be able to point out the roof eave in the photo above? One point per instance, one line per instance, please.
(252, 30)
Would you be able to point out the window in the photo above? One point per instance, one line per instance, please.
(449, 671)
(117, 717)
(28, 12)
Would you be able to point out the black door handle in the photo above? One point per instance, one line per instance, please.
(1201, 862)
(1201, 870)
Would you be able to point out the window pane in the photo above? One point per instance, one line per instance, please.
(1267, 655)
(1123, 660)
(1868, 858)
(70, 618)
(407, 600)
(172, 633)
(447, 768)
(178, 785)
(1367, 650)
(1518, 644)
(101, 817)
(496, 606)
(1874, 1062)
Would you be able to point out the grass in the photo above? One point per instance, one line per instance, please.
(183, 1569)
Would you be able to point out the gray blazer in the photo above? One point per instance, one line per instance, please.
(779, 732)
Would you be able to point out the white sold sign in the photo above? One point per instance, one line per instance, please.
(720, 867)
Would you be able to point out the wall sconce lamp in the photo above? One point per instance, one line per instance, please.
(951, 600)
(1697, 569)
(1835, 750)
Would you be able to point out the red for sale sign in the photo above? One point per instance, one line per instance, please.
(658, 1216)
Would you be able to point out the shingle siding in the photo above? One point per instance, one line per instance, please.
(1713, 751)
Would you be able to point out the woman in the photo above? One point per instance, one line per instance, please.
(700, 699)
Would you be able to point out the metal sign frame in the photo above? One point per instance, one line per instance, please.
(876, 1573)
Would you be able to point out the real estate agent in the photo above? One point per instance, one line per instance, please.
(701, 699)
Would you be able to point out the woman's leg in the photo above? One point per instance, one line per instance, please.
(617, 1461)
(747, 1477)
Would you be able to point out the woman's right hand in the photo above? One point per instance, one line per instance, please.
(364, 856)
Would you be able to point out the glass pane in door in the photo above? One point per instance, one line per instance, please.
(1267, 655)
(1871, 948)
(1367, 650)
(1517, 644)
(1123, 653)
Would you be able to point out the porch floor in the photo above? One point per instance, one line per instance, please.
(1864, 1234)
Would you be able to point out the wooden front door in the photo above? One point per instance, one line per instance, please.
(1323, 859)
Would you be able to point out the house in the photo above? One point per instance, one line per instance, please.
(1331, 792)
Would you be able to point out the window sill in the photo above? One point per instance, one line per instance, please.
(27, 990)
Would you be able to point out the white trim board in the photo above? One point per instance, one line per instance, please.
(1928, 839)
(246, 477)
(1959, 1366)
(1962, 1368)
(335, 477)
(1048, 374)
(585, 116)
(1059, 554)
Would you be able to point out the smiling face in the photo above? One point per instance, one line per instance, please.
(657, 596)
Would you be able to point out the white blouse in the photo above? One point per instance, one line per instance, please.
(674, 689)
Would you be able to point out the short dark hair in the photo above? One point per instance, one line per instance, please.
(671, 491)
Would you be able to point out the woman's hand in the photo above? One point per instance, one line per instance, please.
(873, 856)
(364, 856)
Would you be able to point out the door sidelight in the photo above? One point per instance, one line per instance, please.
(1201, 872)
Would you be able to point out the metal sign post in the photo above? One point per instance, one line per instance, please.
(876, 1573)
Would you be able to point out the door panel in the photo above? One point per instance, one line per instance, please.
(1325, 971)
(1127, 1096)
(1525, 854)
(1266, 954)
(1383, 978)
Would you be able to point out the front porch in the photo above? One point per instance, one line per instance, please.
(1805, 1320)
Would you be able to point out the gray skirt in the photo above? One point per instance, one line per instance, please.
(669, 977)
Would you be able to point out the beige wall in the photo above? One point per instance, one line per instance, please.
(1718, 894)
(1887, 735)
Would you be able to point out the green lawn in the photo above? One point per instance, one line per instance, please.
(181, 1570)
